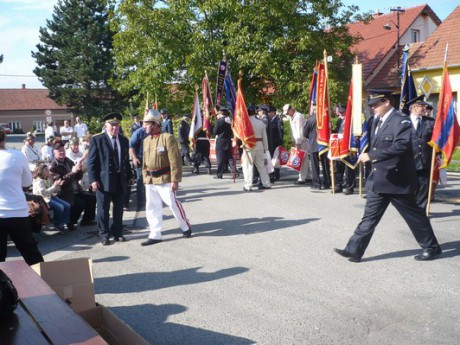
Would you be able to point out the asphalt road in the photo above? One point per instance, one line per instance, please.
(260, 269)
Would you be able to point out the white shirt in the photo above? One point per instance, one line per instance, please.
(66, 132)
(297, 122)
(14, 174)
(32, 153)
(49, 131)
(47, 153)
(81, 129)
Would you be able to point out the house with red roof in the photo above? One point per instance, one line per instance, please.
(427, 61)
(30, 109)
(383, 38)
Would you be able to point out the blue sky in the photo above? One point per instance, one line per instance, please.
(21, 19)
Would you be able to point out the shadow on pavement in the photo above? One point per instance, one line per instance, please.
(137, 282)
(156, 330)
(245, 226)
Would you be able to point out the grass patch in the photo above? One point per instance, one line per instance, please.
(454, 165)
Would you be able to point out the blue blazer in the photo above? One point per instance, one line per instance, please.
(423, 151)
(392, 159)
(102, 165)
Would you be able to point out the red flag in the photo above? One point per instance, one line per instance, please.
(241, 125)
(446, 130)
(345, 144)
(322, 110)
(207, 105)
(155, 104)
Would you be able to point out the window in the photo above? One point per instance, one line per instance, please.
(39, 126)
(415, 34)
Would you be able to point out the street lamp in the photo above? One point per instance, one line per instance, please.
(387, 26)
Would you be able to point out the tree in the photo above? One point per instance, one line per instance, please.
(74, 58)
(274, 43)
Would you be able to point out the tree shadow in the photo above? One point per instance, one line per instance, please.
(147, 281)
(155, 330)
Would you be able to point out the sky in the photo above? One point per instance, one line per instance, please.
(20, 21)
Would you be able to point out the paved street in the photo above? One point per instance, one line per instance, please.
(259, 269)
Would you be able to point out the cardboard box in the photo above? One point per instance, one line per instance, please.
(72, 280)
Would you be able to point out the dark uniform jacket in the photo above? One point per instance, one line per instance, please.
(184, 130)
(393, 168)
(423, 151)
(311, 133)
(223, 132)
(275, 133)
(102, 166)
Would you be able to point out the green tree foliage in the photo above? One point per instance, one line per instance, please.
(274, 43)
(74, 57)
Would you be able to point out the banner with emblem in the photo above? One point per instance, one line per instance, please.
(230, 92)
(322, 108)
(408, 91)
(208, 107)
(221, 72)
(241, 124)
(295, 159)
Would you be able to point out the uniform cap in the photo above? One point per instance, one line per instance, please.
(417, 100)
(376, 96)
(112, 118)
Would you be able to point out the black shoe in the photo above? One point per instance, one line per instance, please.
(428, 254)
(299, 182)
(325, 187)
(188, 233)
(314, 187)
(209, 171)
(247, 189)
(87, 223)
(120, 239)
(105, 242)
(347, 255)
(338, 190)
(149, 242)
(264, 187)
(71, 227)
(348, 191)
(195, 171)
(218, 177)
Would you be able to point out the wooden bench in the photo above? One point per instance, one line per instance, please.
(41, 317)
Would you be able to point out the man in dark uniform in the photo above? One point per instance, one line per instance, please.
(109, 172)
(136, 124)
(275, 135)
(201, 152)
(392, 179)
(340, 168)
(422, 131)
(223, 132)
(311, 133)
(183, 133)
(167, 124)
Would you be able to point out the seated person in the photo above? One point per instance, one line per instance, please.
(62, 168)
(42, 185)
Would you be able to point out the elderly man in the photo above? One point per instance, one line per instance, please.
(31, 151)
(109, 173)
(392, 180)
(297, 122)
(162, 172)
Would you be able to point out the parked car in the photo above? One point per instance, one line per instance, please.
(6, 127)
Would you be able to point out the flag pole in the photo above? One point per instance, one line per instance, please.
(331, 162)
(433, 156)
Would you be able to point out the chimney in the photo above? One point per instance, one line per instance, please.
(23, 86)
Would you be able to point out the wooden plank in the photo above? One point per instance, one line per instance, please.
(60, 323)
(20, 329)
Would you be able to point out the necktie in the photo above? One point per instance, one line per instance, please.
(418, 128)
(378, 126)
(115, 152)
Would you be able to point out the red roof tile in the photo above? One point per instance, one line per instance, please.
(27, 99)
(431, 53)
(377, 43)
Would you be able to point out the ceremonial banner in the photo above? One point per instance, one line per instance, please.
(345, 144)
(408, 91)
(322, 110)
(280, 157)
(314, 78)
(242, 127)
(207, 105)
(197, 120)
(155, 104)
(220, 82)
(230, 92)
(446, 130)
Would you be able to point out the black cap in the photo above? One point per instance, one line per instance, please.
(417, 100)
(378, 95)
(262, 107)
(112, 118)
(163, 111)
(341, 108)
(271, 108)
(251, 110)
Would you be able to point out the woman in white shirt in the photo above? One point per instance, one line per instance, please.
(48, 189)
(14, 210)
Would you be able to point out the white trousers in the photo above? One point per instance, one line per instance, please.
(155, 195)
(257, 157)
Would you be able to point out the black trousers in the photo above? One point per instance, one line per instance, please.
(20, 232)
(340, 168)
(103, 213)
(423, 185)
(224, 158)
(376, 205)
(315, 170)
(85, 201)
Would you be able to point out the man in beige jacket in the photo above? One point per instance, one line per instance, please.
(162, 172)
